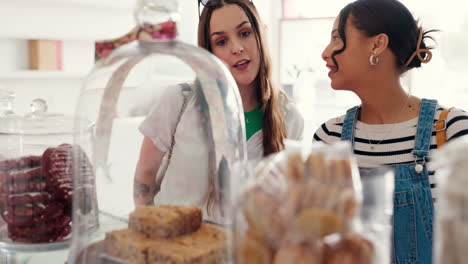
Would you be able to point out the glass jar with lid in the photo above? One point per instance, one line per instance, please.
(35, 178)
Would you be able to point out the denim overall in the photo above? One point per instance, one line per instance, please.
(413, 204)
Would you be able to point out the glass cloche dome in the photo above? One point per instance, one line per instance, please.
(168, 124)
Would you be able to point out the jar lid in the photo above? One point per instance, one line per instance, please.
(37, 122)
(157, 19)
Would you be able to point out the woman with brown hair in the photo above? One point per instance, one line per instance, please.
(233, 32)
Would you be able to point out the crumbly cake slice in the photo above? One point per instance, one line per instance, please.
(191, 216)
(127, 245)
(208, 245)
(165, 221)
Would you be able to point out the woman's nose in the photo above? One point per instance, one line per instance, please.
(325, 55)
(237, 47)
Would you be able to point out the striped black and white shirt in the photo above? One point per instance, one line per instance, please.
(398, 144)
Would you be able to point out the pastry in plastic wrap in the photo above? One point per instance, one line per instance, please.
(297, 203)
(253, 250)
(349, 249)
(298, 254)
(261, 214)
(317, 223)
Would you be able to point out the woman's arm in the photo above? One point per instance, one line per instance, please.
(145, 185)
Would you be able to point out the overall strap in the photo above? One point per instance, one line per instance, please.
(424, 130)
(347, 134)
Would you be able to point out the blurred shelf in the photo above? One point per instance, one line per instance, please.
(66, 19)
(39, 75)
(112, 4)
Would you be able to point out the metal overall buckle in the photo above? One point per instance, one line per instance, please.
(419, 167)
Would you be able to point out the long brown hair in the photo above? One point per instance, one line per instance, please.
(274, 129)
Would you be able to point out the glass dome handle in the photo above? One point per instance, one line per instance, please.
(156, 19)
(38, 106)
(6, 102)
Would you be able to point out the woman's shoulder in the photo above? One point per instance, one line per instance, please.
(330, 130)
(456, 123)
(453, 111)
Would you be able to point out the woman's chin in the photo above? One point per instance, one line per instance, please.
(244, 81)
(337, 86)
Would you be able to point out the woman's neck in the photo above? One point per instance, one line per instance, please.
(249, 96)
(387, 103)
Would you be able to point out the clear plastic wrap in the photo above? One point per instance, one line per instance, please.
(307, 207)
(451, 221)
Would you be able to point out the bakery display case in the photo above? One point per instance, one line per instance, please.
(184, 102)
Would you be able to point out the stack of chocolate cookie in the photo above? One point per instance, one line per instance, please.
(36, 195)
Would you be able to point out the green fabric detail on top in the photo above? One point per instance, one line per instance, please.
(253, 121)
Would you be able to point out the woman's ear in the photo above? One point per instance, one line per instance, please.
(379, 44)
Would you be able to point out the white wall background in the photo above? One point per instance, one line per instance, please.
(78, 23)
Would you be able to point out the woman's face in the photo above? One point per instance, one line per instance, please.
(353, 61)
(233, 41)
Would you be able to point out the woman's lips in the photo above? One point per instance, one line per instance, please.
(242, 65)
(332, 70)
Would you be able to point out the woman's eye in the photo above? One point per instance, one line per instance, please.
(334, 38)
(221, 42)
(245, 34)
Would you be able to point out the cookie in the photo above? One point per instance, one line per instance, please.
(23, 187)
(21, 175)
(26, 198)
(51, 211)
(20, 163)
(40, 229)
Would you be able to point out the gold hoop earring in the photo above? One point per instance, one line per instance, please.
(374, 60)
